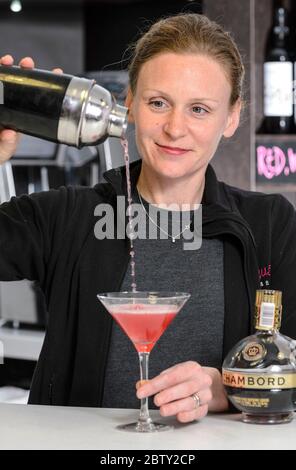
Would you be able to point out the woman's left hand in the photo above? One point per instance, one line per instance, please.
(174, 387)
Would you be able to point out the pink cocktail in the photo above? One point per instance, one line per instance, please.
(143, 324)
(144, 316)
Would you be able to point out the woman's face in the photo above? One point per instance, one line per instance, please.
(181, 110)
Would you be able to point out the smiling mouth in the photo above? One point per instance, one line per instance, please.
(175, 150)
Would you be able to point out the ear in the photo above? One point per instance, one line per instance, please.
(233, 119)
(129, 104)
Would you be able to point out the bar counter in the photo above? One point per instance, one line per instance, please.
(57, 427)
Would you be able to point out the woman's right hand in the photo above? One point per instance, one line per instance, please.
(9, 138)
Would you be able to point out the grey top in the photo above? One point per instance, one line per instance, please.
(197, 331)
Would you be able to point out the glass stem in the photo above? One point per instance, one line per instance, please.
(144, 368)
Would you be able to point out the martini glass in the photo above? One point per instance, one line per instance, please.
(144, 316)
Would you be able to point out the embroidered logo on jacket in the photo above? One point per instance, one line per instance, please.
(265, 275)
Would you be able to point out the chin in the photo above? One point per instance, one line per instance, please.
(173, 173)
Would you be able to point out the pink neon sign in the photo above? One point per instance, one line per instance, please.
(274, 161)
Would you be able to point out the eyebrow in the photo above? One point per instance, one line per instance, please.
(193, 99)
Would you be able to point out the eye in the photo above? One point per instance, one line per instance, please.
(158, 104)
(199, 110)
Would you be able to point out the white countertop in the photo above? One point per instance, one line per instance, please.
(55, 427)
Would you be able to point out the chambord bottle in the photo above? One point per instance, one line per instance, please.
(259, 373)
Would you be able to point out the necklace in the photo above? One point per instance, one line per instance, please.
(173, 237)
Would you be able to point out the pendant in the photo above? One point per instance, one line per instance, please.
(173, 240)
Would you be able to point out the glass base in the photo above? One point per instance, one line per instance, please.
(276, 418)
(144, 427)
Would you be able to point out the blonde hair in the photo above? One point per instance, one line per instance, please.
(189, 33)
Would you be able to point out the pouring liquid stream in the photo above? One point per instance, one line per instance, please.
(124, 143)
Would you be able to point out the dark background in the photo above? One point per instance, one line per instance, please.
(110, 26)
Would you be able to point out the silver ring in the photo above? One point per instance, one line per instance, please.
(196, 400)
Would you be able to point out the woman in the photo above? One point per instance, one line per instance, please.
(185, 94)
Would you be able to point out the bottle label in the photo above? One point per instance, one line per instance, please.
(267, 315)
(254, 352)
(251, 402)
(278, 89)
(243, 379)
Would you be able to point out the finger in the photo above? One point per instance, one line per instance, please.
(177, 374)
(6, 60)
(27, 62)
(188, 416)
(186, 404)
(169, 370)
(58, 71)
(8, 135)
(140, 383)
(182, 390)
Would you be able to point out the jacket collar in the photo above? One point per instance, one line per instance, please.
(213, 192)
(216, 205)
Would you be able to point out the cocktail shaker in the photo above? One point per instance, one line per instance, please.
(58, 107)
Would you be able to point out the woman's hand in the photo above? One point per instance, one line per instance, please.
(9, 138)
(174, 387)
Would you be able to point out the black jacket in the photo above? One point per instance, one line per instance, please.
(49, 237)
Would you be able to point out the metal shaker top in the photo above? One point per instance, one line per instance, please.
(89, 114)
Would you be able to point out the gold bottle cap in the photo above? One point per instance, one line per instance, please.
(268, 312)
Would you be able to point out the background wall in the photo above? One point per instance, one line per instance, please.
(110, 26)
(51, 32)
(232, 160)
(249, 22)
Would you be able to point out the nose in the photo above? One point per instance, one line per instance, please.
(174, 125)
